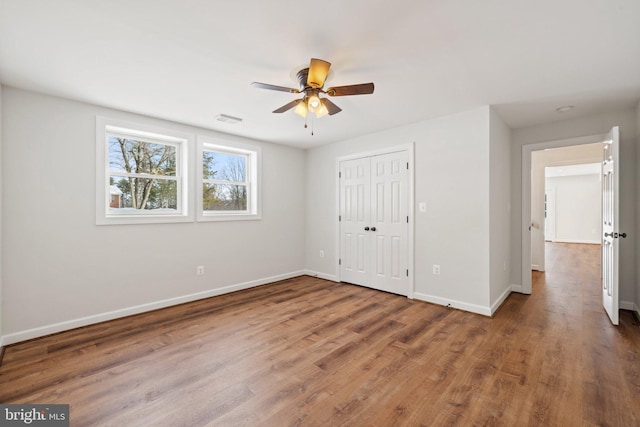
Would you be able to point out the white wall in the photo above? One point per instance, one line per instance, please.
(500, 209)
(60, 269)
(451, 176)
(591, 125)
(578, 208)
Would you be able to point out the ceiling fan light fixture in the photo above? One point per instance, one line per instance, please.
(314, 102)
(321, 111)
(301, 109)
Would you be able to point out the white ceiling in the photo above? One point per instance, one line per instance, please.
(189, 60)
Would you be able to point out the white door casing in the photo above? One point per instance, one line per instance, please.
(610, 224)
(374, 204)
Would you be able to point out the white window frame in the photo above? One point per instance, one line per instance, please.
(253, 154)
(148, 133)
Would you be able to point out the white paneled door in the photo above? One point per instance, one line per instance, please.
(610, 224)
(374, 204)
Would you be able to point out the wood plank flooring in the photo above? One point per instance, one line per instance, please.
(308, 352)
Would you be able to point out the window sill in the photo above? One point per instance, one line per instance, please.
(143, 219)
(229, 217)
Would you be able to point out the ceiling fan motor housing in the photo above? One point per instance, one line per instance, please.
(302, 79)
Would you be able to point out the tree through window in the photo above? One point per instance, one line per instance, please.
(224, 178)
(229, 182)
(145, 173)
(142, 173)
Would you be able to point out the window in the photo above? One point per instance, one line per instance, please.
(141, 174)
(228, 181)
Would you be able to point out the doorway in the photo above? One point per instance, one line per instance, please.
(565, 197)
(533, 197)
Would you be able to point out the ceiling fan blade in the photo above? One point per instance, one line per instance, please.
(288, 106)
(333, 108)
(360, 89)
(318, 71)
(274, 87)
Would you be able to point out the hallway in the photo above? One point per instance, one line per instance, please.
(602, 359)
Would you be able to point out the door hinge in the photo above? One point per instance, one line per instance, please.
(339, 261)
(407, 165)
(407, 273)
(407, 219)
(339, 174)
(339, 218)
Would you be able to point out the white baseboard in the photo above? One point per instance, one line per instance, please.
(516, 288)
(325, 276)
(627, 305)
(631, 306)
(102, 317)
(460, 305)
(500, 300)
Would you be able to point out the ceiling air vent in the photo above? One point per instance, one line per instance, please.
(228, 119)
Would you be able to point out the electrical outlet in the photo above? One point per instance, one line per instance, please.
(200, 270)
(436, 269)
(321, 254)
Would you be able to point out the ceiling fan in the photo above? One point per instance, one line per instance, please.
(311, 82)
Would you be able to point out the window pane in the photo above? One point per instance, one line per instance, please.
(224, 167)
(224, 197)
(143, 193)
(132, 156)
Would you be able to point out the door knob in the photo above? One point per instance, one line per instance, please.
(366, 229)
(616, 235)
(373, 229)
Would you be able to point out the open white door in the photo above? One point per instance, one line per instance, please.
(610, 224)
(550, 214)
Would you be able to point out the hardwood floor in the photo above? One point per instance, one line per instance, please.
(311, 352)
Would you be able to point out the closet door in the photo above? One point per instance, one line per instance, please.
(355, 216)
(374, 223)
(389, 219)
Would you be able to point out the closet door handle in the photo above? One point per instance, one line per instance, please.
(373, 229)
(366, 229)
